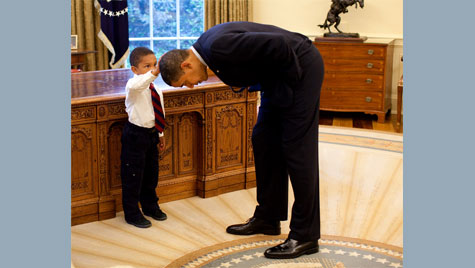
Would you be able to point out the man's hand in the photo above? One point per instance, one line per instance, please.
(161, 143)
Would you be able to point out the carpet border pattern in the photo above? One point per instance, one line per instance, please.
(209, 254)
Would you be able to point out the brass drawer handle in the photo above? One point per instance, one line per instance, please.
(368, 99)
(369, 80)
(370, 52)
(369, 65)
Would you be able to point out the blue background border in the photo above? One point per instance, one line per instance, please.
(439, 184)
(35, 134)
(438, 133)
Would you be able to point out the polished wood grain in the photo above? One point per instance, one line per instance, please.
(106, 85)
(208, 149)
(358, 76)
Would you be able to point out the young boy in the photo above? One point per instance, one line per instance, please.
(141, 134)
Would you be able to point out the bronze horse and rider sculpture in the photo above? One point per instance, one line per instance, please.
(333, 18)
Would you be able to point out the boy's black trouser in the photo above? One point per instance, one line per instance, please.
(139, 170)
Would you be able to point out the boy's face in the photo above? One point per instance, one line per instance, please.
(146, 64)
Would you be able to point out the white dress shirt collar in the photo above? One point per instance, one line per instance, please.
(198, 56)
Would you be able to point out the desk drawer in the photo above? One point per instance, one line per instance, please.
(86, 114)
(351, 51)
(352, 81)
(357, 66)
(350, 100)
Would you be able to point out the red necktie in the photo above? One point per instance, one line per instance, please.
(157, 108)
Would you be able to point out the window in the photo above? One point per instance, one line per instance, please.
(163, 25)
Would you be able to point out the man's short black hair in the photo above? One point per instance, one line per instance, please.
(137, 55)
(170, 62)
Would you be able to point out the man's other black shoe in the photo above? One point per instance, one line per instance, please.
(255, 226)
(291, 249)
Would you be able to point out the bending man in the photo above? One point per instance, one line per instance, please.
(288, 70)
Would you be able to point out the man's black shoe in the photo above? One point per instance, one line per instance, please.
(255, 226)
(158, 215)
(291, 249)
(141, 223)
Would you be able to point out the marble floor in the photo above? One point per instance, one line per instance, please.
(360, 195)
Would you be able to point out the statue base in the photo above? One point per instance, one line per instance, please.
(340, 37)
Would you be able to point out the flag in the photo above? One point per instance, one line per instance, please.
(114, 31)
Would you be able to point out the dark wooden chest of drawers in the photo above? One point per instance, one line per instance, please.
(357, 77)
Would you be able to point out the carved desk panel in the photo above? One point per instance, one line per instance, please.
(208, 142)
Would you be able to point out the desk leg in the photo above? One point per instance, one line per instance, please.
(399, 105)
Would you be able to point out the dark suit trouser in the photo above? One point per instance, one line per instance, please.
(139, 170)
(285, 144)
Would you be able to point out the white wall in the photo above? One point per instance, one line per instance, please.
(378, 18)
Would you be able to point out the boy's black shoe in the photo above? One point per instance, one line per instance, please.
(141, 223)
(158, 214)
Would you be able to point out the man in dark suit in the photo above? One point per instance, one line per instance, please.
(288, 70)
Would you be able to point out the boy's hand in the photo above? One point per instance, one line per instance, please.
(156, 70)
(161, 143)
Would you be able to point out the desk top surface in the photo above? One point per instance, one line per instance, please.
(110, 84)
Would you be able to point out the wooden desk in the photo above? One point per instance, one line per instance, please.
(208, 142)
(78, 58)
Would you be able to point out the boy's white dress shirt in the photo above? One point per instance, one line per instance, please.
(138, 100)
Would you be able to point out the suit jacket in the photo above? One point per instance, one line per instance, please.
(244, 54)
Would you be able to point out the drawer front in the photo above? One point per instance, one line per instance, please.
(360, 65)
(351, 51)
(353, 81)
(350, 100)
(86, 114)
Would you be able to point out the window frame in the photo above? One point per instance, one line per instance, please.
(178, 36)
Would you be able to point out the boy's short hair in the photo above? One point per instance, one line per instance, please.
(137, 55)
